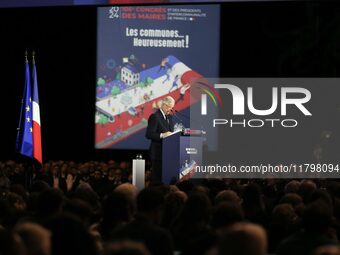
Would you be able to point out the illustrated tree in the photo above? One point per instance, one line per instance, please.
(141, 84)
(118, 76)
(148, 81)
(115, 90)
(101, 82)
(103, 120)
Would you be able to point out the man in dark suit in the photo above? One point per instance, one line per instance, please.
(160, 125)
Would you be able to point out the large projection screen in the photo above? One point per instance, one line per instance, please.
(144, 54)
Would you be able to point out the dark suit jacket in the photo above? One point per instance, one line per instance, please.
(157, 125)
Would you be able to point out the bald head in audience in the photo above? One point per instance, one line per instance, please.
(327, 250)
(244, 239)
(35, 237)
(227, 196)
(128, 190)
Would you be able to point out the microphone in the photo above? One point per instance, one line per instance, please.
(189, 118)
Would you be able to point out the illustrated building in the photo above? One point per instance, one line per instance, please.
(130, 75)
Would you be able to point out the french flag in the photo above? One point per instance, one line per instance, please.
(37, 150)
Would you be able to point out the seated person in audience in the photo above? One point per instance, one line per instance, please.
(244, 239)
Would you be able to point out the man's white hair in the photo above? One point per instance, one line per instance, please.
(168, 100)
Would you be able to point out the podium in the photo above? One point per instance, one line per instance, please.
(180, 155)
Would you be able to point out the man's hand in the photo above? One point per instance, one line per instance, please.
(165, 134)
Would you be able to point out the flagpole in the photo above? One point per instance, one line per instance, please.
(32, 167)
(37, 151)
(21, 111)
(29, 170)
(28, 163)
